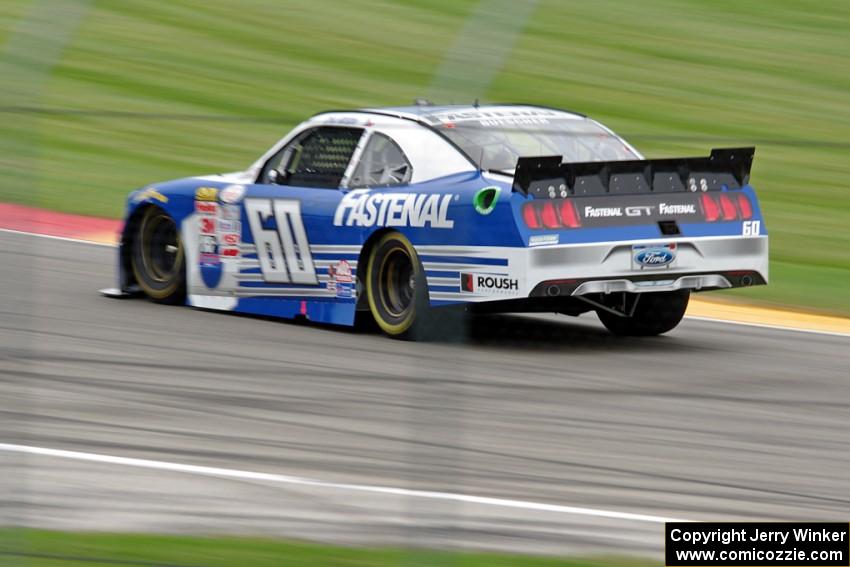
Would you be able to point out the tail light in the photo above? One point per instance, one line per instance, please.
(549, 216)
(529, 215)
(728, 207)
(710, 208)
(745, 207)
(731, 207)
(569, 215)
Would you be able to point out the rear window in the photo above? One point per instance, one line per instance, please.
(382, 164)
(497, 142)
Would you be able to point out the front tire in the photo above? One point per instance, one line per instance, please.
(157, 257)
(655, 313)
(396, 287)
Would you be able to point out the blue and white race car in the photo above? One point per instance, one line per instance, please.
(405, 212)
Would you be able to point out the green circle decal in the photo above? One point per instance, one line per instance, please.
(485, 199)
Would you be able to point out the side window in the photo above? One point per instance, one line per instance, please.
(316, 158)
(382, 164)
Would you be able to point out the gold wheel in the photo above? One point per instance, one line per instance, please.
(157, 256)
(395, 285)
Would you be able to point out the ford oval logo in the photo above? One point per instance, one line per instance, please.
(655, 257)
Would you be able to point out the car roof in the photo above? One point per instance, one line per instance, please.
(430, 114)
(423, 110)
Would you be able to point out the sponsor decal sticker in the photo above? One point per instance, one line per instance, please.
(663, 209)
(638, 209)
(232, 194)
(150, 194)
(206, 208)
(361, 207)
(229, 239)
(494, 118)
(340, 279)
(225, 225)
(488, 284)
(231, 212)
(207, 225)
(229, 252)
(678, 209)
(207, 245)
(543, 239)
(467, 283)
(210, 259)
(209, 262)
(596, 212)
(206, 194)
(348, 121)
(653, 256)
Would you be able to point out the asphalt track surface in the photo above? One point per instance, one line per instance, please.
(713, 422)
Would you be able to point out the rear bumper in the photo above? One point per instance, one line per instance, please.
(702, 263)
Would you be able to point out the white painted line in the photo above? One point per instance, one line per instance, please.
(301, 481)
(692, 317)
(65, 238)
(767, 326)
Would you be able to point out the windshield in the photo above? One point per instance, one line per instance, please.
(498, 143)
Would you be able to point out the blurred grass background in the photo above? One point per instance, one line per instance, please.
(675, 77)
(38, 548)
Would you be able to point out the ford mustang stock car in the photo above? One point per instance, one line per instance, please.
(405, 212)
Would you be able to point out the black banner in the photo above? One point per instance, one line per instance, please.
(811, 544)
(638, 209)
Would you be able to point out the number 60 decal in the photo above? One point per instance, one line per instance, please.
(751, 228)
(284, 252)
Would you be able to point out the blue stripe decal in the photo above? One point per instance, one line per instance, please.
(334, 256)
(439, 274)
(280, 285)
(465, 260)
(318, 270)
(439, 302)
(449, 288)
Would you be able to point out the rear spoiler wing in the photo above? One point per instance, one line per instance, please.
(548, 177)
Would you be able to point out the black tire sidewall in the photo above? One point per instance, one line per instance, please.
(172, 290)
(410, 322)
(655, 314)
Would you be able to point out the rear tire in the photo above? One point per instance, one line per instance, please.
(157, 257)
(655, 313)
(396, 288)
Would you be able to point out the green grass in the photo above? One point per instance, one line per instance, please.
(676, 76)
(32, 548)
